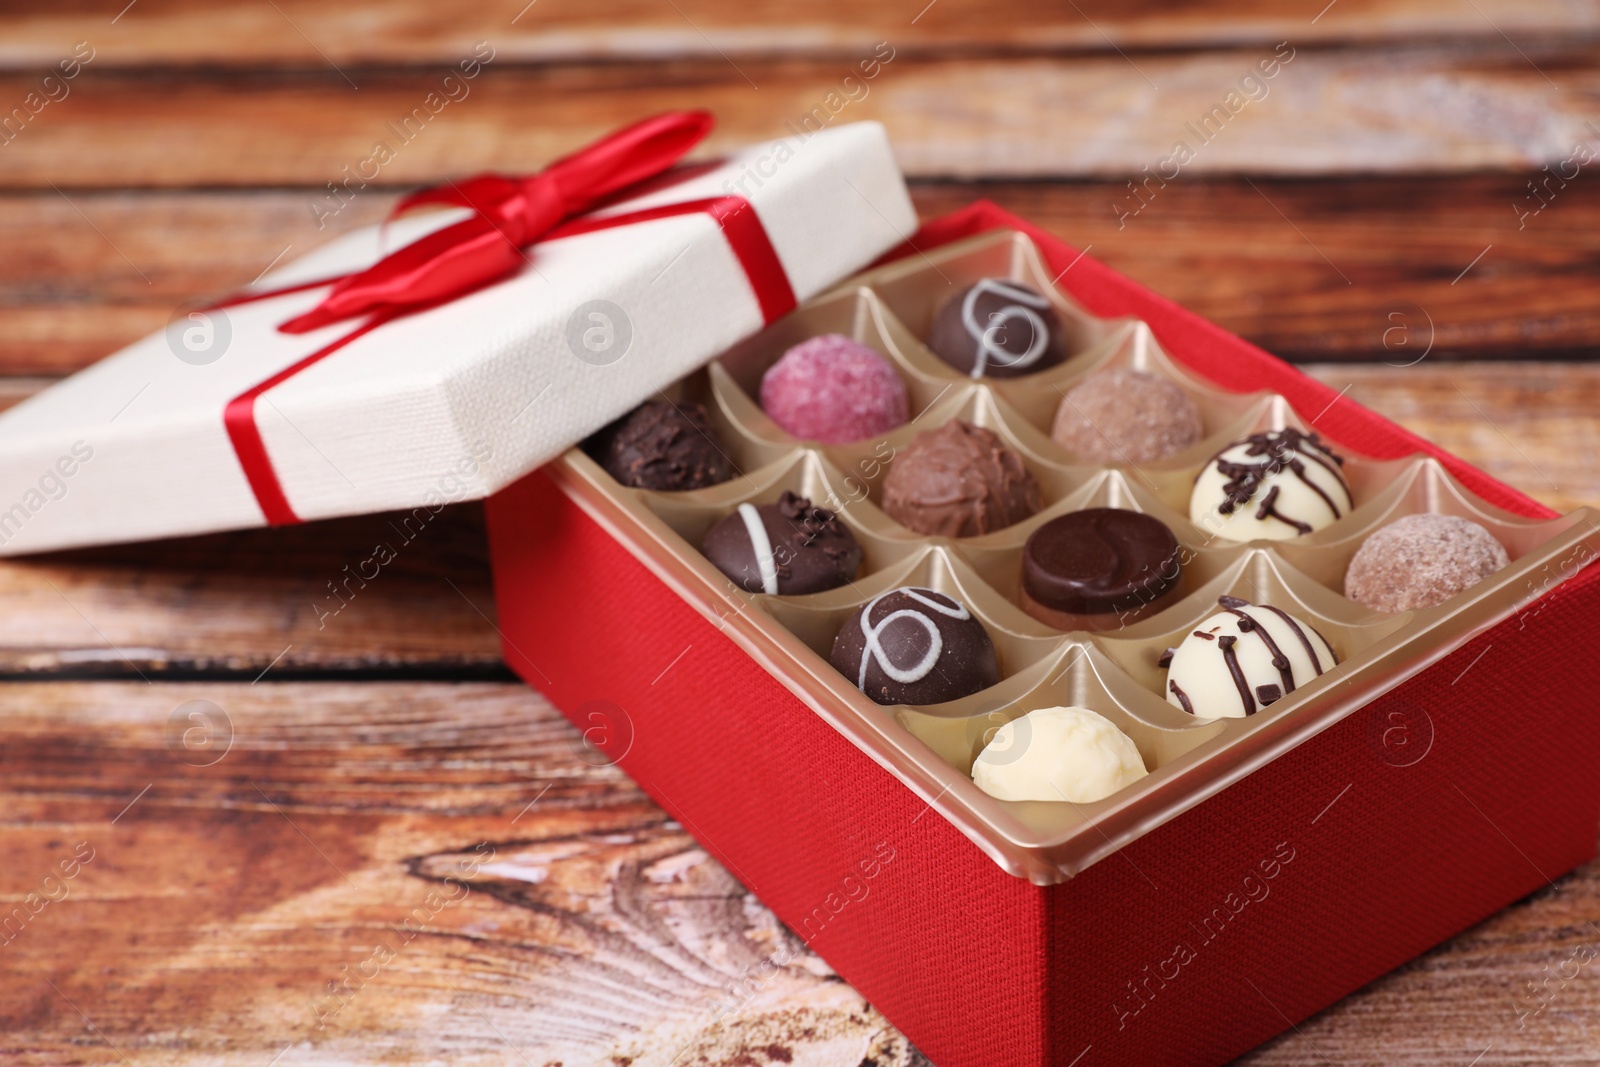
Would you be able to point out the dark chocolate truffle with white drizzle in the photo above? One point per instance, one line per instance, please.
(997, 328)
(791, 548)
(1243, 659)
(1274, 486)
(915, 646)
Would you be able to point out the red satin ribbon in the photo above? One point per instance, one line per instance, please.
(509, 214)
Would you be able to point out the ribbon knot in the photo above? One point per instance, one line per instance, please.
(509, 214)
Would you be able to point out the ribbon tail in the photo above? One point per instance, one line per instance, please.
(627, 157)
(448, 262)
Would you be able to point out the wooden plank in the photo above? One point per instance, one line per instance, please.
(232, 886)
(90, 272)
(239, 604)
(1378, 269)
(292, 600)
(1401, 108)
(1531, 425)
(230, 883)
(309, 33)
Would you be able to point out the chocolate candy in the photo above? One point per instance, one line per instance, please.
(1099, 569)
(997, 328)
(1126, 416)
(834, 389)
(790, 548)
(1275, 486)
(1421, 561)
(661, 445)
(1061, 754)
(915, 646)
(1243, 659)
(959, 480)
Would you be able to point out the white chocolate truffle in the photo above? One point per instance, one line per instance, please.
(1273, 486)
(1242, 659)
(1057, 754)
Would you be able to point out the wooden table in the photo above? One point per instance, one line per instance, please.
(264, 813)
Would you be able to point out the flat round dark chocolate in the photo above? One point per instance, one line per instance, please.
(997, 328)
(915, 646)
(1100, 560)
(661, 445)
(806, 550)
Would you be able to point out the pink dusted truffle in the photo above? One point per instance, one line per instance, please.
(834, 389)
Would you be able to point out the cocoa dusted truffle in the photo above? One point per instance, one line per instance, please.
(834, 389)
(1275, 485)
(661, 445)
(959, 480)
(790, 548)
(915, 646)
(997, 328)
(1421, 561)
(1242, 659)
(1126, 416)
(1099, 569)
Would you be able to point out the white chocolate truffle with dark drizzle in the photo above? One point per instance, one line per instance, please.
(1243, 659)
(1061, 754)
(1271, 486)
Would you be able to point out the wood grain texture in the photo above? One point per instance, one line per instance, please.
(238, 605)
(473, 886)
(1308, 269)
(308, 33)
(293, 600)
(374, 873)
(372, 777)
(1531, 425)
(1378, 269)
(1399, 108)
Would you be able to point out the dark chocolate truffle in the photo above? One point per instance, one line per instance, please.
(1126, 416)
(662, 445)
(1100, 561)
(915, 646)
(959, 480)
(790, 548)
(997, 328)
(1421, 561)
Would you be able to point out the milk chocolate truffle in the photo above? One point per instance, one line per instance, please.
(1061, 754)
(997, 328)
(1421, 561)
(1126, 416)
(1275, 486)
(661, 445)
(790, 548)
(915, 646)
(1099, 569)
(834, 389)
(959, 480)
(1242, 659)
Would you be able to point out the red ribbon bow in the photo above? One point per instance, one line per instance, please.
(509, 214)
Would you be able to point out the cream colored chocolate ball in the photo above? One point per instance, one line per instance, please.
(1243, 659)
(1058, 754)
(1272, 486)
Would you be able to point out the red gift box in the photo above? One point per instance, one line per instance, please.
(1460, 782)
